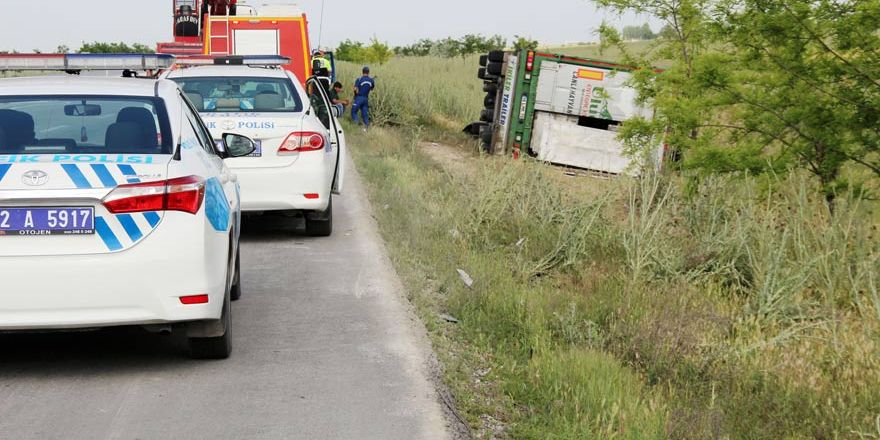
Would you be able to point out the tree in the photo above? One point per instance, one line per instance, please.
(760, 85)
(357, 52)
(642, 32)
(120, 47)
(803, 78)
(62, 48)
(521, 43)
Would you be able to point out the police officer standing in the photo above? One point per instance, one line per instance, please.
(362, 88)
(321, 66)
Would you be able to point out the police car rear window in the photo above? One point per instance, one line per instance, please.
(240, 94)
(83, 124)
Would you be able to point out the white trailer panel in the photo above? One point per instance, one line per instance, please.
(586, 91)
(560, 140)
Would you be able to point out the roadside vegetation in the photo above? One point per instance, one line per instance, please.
(686, 305)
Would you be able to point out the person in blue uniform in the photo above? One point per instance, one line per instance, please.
(362, 88)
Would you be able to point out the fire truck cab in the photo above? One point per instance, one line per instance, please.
(254, 30)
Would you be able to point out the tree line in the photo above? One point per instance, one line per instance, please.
(451, 47)
(99, 47)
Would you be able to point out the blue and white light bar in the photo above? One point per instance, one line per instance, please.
(233, 60)
(78, 62)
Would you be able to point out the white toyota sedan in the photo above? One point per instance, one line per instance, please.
(116, 208)
(298, 162)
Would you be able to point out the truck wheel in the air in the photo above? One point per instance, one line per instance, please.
(495, 69)
(489, 101)
(496, 56)
(487, 115)
(320, 224)
(490, 87)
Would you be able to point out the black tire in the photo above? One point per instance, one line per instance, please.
(487, 115)
(495, 69)
(496, 56)
(487, 148)
(481, 73)
(215, 348)
(490, 87)
(320, 224)
(235, 292)
(484, 59)
(489, 101)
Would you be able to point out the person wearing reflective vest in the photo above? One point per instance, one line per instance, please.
(321, 65)
(362, 88)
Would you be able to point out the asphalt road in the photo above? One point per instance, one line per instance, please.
(325, 347)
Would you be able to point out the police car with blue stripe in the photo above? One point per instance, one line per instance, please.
(299, 162)
(116, 205)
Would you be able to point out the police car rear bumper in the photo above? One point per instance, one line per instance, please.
(284, 188)
(142, 285)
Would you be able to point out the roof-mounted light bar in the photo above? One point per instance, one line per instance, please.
(78, 62)
(233, 60)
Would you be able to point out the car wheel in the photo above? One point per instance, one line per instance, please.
(235, 293)
(217, 347)
(320, 224)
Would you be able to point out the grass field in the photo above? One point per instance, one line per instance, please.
(666, 307)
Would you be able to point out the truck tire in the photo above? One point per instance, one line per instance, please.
(490, 87)
(484, 59)
(496, 56)
(495, 69)
(489, 101)
(482, 73)
(487, 115)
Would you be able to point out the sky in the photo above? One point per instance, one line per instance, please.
(45, 24)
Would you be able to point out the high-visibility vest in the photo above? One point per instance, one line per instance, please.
(325, 63)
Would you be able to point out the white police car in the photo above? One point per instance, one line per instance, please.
(300, 147)
(116, 206)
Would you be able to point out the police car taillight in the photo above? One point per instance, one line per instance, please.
(300, 141)
(184, 194)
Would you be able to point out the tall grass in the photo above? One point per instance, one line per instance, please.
(726, 301)
(663, 307)
(434, 91)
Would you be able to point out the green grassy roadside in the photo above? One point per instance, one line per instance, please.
(503, 360)
(671, 307)
(643, 312)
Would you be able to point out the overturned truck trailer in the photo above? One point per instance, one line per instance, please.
(559, 109)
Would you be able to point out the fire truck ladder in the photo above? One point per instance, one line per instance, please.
(221, 43)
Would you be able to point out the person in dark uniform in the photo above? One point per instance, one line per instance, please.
(362, 89)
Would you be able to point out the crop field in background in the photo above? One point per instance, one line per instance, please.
(663, 307)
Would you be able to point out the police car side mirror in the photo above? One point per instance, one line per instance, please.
(238, 145)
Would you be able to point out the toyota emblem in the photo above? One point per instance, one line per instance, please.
(35, 178)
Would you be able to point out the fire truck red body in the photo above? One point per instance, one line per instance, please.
(254, 30)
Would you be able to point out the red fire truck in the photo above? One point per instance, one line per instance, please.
(254, 30)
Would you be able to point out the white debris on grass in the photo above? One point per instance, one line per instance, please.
(466, 278)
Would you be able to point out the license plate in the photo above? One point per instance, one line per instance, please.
(47, 221)
(258, 151)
